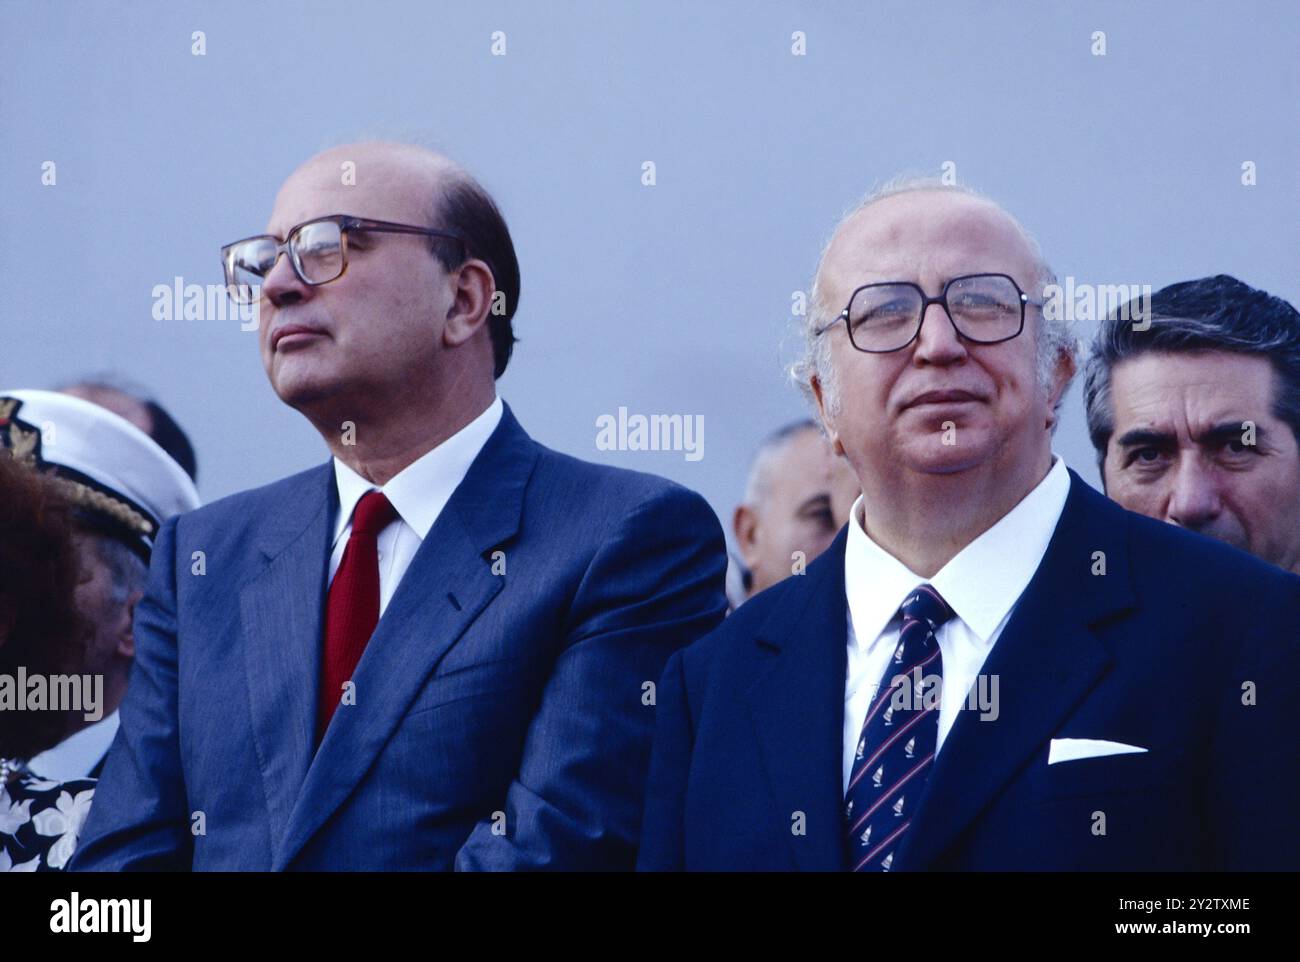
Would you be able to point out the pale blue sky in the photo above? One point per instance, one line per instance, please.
(671, 299)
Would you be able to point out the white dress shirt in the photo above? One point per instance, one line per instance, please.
(78, 754)
(981, 584)
(418, 492)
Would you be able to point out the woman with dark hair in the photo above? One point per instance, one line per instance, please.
(39, 633)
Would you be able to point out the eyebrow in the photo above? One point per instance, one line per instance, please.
(1223, 431)
(817, 500)
(1227, 431)
(1144, 437)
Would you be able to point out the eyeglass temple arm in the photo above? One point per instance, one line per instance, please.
(387, 227)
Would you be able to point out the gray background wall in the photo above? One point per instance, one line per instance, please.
(666, 299)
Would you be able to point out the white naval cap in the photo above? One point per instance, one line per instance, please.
(108, 468)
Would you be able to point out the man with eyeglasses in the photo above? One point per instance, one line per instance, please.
(437, 650)
(993, 667)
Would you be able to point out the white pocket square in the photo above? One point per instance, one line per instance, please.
(1070, 749)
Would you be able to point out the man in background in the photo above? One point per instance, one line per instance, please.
(121, 487)
(1195, 414)
(798, 496)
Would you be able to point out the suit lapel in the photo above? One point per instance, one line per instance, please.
(1046, 660)
(281, 616)
(448, 584)
(797, 708)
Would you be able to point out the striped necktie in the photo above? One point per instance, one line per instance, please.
(896, 748)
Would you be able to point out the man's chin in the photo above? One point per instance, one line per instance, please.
(300, 390)
(953, 454)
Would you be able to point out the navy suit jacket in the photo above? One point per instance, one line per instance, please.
(501, 717)
(747, 765)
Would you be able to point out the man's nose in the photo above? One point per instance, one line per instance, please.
(282, 285)
(938, 342)
(1194, 501)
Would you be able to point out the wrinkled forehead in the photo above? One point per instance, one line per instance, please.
(362, 180)
(1194, 389)
(926, 237)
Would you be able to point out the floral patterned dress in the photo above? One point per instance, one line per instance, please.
(40, 821)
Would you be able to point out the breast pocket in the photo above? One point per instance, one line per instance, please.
(1102, 775)
(482, 680)
(459, 745)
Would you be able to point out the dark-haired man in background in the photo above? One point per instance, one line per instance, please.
(522, 603)
(1195, 414)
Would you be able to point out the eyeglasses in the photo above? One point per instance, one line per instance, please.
(982, 308)
(317, 249)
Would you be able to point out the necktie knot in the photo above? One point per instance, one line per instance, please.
(373, 513)
(926, 604)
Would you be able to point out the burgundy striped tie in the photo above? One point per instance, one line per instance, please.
(896, 749)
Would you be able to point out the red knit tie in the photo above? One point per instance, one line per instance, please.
(353, 607)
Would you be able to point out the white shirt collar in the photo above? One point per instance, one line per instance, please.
(422, 489)
(78, 754)
(981, 583)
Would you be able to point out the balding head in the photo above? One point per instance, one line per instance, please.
(412, 318)
(437, 192)
(941, 404)
(798, 496)
(400, 182)
(862, 240)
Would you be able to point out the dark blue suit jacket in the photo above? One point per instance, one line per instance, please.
(500, 718)
(1154, 653)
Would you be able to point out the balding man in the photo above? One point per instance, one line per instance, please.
(993, 666)
(798, 496)
(437, 650)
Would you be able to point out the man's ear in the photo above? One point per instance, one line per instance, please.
(471, 303)
(1062, 374)
(815, 382)
(744, 525)
(125, 633)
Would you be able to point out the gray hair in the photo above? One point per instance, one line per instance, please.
(1055, 334)
(1208, 314)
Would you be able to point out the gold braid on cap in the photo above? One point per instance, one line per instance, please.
(84, 496)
